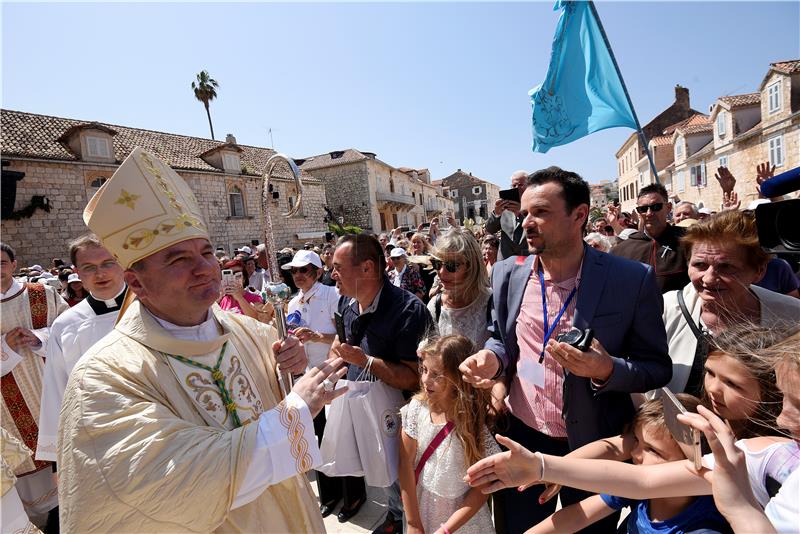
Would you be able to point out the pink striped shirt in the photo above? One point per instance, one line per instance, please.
(540, 408)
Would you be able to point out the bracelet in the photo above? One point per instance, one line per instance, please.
(444, 528)
(500, 369)
(541, 459)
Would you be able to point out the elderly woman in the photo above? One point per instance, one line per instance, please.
(236, 299)
(725, 261)
(405, 275)
(598, 241)
(461, 308)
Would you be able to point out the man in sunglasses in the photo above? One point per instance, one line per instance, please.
(658, 243)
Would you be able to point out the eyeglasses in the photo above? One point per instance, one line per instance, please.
(655, 208)
(451, 266)
(92, 269)
(301, 270)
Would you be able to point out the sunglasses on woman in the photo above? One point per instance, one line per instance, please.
(655, 208)
(451, 265)
(301, 270)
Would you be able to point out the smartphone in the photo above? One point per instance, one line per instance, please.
(228, 279)
(690, 440)
(404, 229)
(426, 225)
(339, 320)
(510, 194)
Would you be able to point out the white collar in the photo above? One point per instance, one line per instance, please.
(205, 331)
(15, 288)
(112, 302)
(306, 297)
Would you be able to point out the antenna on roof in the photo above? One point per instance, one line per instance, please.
(271, 143)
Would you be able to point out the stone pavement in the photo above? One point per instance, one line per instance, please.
(369, 517)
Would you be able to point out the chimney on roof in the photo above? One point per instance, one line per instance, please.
(459, 170)
(230, 139)
(682, 97)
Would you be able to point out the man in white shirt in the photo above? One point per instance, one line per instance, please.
(77, 329)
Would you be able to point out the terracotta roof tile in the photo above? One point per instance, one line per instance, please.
(738, 101)
(695, 124)
(337, 157)
(787, 67)
(37, 136)
(661, 140)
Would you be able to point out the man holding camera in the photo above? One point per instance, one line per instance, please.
(506, 217)
(561, 397)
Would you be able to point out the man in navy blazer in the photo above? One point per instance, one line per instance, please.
(566, 397)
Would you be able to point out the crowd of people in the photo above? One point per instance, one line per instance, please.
(530, 355)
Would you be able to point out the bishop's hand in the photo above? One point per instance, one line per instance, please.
(317, 386)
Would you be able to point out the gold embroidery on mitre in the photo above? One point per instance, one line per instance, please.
(162, 184)
(127, 199)
(290, 419)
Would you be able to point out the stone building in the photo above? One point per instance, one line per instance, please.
(633, 168)
(602, 193)
(65, 161)
(373, 195)
(740, 132)
(473, 198)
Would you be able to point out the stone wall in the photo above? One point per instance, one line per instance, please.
(46, 235)
(347, 192)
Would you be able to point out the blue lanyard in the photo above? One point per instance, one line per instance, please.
(549, 329)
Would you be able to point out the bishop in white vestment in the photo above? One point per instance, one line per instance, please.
(175, 422)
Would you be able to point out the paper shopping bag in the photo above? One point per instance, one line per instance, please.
(339, 449)
(375, 410)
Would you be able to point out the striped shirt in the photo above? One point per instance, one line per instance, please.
(540, 408)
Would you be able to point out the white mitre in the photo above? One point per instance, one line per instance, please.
(143, 208)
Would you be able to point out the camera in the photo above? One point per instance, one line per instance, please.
(580, 339)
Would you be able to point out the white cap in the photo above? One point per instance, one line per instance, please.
(36, 267)
(302, 258)
(246, 250)
(397, 252)
(705, 211)
(756, 203)
(73, 278)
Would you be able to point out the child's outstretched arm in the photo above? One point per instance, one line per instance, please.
(614, 448)
(408, 484)
(473, 502)
(574, 517)
(518, 467)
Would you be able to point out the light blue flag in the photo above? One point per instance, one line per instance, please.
(582, 92)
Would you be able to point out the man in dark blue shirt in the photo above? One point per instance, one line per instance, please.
(384, 324)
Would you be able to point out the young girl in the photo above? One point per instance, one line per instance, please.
(652, 444)
(756, 482)
(448, 418)
(736, 385)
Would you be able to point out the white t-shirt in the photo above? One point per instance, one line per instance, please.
(314, 309)
(774, 474)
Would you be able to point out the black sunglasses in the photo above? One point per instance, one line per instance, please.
(655, 208)
(301, 270)
(451, 266)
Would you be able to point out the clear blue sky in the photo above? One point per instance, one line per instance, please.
(442, 86)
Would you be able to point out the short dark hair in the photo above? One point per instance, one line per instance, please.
(365, 248)
(658, 189)
(8, 250)
(85, 241)
(574, 189)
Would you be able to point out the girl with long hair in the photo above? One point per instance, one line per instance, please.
(755, 482)
(445, 430)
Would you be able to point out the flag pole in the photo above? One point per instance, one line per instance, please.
(642, 136)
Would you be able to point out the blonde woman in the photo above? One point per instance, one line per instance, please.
(461, 308)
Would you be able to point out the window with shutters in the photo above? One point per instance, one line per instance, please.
(697, 175)
(98, 147)
(236, 202)
(776, 151)
(774, 97)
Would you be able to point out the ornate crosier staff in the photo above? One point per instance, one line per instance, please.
(277, 292)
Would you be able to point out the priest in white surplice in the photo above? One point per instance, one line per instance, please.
(77, 329)
(26, 312)
(174, 422)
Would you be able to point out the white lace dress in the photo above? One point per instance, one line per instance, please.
(469, 321)
(441, 489)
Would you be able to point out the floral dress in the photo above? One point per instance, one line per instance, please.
(441, 489)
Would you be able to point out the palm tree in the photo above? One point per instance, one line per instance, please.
(205, 90)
